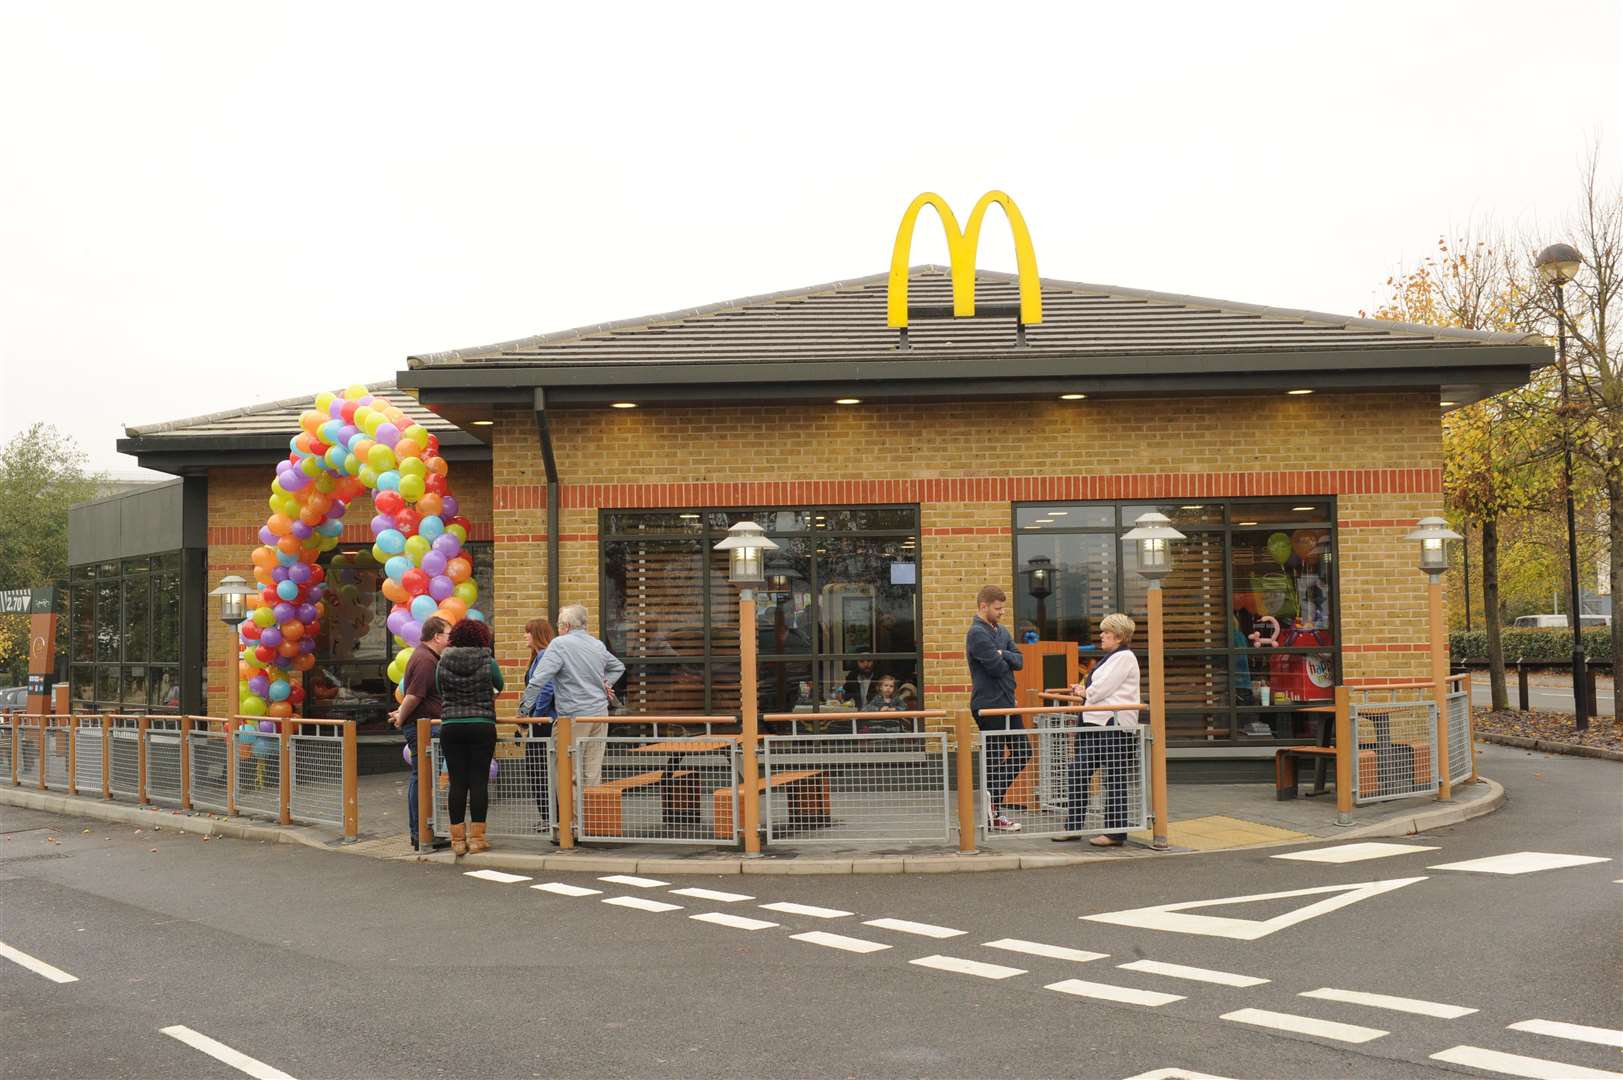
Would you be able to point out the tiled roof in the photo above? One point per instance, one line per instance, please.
(845, 321)
(281, 418)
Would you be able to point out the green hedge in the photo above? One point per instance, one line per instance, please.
(1540, 644)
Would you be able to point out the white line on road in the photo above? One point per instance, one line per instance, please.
(1125, 995)
(1348, 853)
(737, 922)
(37, 966)
(1304, 1025)
(1475, 1057)
(495, 875)
(968, 967)
(638, 882)
(642, 903)
(1576, 1032)
(1174, 1074)
(1194, 974)
(712, 894)
(919, 928)
(806, 909)
(1520, 862)
(839, 941)
(219, 1051)
(1037, 948)
(1387, 1001)
(566, 890)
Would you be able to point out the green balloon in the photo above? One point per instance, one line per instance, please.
(1279, 546)
(416, 547)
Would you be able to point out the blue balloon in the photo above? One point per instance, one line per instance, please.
(288, 590)
(330, 430)
(475, 615)
(335, 457)
(431, 527)
(392, 540)
(389, 481)
(331, 528)
(354, 440)
(279, 690)
(285, 558)
(397, 566)
(422, 607)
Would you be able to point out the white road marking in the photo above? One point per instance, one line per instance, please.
(839, 941)
(1475, 1057)
(968, 967)
(1387, 1001)
(638, 882)
(1037, 948)
(642, 903)
(37, 966)
(919, 928)
(1304, 1025)
(1174, 1074)
(1576, 1032)
(1172, 917)
(737, 922)
(566, 890)
(806, 909)
(1346, 853)
(1125, 995)
(495, 875)
(712, 894)
(1520, 862)
(219, 1051)
(1195, 974)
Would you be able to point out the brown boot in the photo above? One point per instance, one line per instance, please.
(459, 840)
(476, 838)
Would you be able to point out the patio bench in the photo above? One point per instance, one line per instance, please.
(601, 803)
(808, 798)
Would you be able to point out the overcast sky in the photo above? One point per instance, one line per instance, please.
(207, 205)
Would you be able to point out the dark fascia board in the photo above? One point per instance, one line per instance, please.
(191, 455)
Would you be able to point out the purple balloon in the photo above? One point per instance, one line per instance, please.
(405, 752)
(316, 592)
(336, 409)
(412, 633)
(449, 507)
(269, 727)
(494, 768)
(387, 434)
(281, 661)
(272, 637)
(283, 466)
(307, 613)
(295, 480)
(259, 684)
(447, 544)
(299, 573)
(441, 587)
(380, 522)
(336, 510)
(301, 530)
(284, 611)
(267, 537)
(307, 644)
(397, 619)
(433, 563)
(346, 433)
(279, 574)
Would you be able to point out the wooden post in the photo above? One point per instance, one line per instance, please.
(563, 742)
(1158, 720)
(964, 732)
(352, 799)
(1346, 756)
(106, 759)
(230, 767)
(424, 764)
(1439, 684)
(73, 755)
(284, 758)
(185, 763)
(141, 725)
(749, 706)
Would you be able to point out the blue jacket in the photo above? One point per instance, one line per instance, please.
(993, 660)
(538, 702)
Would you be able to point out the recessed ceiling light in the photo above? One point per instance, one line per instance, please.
(689, 517)
(1191, 508)
(1043, 521)
(1058, 513)
(1298, 393)
(483, 423)
(1446, 404)
(848, 401)
(1299, 509)
(1245, 522)
(1072, 397)
(624, 405)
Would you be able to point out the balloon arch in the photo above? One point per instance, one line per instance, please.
(351, 443)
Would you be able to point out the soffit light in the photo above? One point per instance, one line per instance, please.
(623, 405)
(848, 401)
(1300, 509)
(1447, 404)
(483, 423)
(1245, 523)
(1072, 397)
(1298, 392)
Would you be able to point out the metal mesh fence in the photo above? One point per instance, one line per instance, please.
(1397, 750)
(1064, 778)
(521, 795)
(440, 822)
(891, 787)
(30, 743)
(210, 758)
(124, 751)
(259, 778)
(58, 763)
(1459, 736)
(316, 778)
(659, 790)
(163, 760)
(87, 760)
(8, 731)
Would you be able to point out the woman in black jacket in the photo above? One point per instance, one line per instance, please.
(468, 679)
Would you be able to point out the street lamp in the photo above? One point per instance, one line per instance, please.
(1433, 535)
(1041, 580)
(1153, 533)
(232, 590)
(1559, 264)
(747, 546)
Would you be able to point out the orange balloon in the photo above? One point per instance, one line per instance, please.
(453, 608)
(399, 695)
(292, 630)
(304, 661)
(406, 448)
(289, 544)
(245, 670)
(280, 524)
(265, 557)
(394, 591)
(279, 709)
(427, 503)
(311, 516)
(438, 465)
(459, 569)
(318, 501)
(264, 577)
(289, 649)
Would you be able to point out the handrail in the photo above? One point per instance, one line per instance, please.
(895, 714)
(649, 719)
(1426, 685)
(1033, 710)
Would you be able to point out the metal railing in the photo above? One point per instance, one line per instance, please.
(1461, 758)
(521, 790)
(881, 787)
(161, 745)
(1397, 750)
(1064, 776)
(209, 756)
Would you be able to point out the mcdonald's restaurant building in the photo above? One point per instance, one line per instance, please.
(897, 469)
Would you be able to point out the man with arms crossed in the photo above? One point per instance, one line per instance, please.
(993, 660)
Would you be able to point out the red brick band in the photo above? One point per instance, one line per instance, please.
(354, 533)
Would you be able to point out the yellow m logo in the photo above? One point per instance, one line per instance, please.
(961, 248)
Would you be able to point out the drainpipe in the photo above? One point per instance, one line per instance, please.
(544, 430)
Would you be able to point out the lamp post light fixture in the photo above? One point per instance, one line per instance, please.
(1433, 535)
(1559, 264)
(1042, 578)
(231, 591)
(1153, 533)
(746, 546)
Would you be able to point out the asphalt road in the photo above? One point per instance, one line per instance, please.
(1542, 698)
(324, 965)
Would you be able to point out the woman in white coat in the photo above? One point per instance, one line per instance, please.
(1113, 681)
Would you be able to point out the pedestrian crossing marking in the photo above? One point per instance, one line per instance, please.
(1520, 862)
(1475, 1057)
(1122, 995)
(1304, 1025)
(1576, 1032)
(1386, 1001)
(1174, 1074)
(1175, 917)
(712, 894)
(1193, 974)
(495, 875)
(637, 882)
(1348, 853)
(561, 889)
(737, 922)
(641, 903)
(921, 929)
(1037, 948)
(806, 909)
(839, 941)
(968, 967)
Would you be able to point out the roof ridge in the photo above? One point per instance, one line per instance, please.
(243, 410)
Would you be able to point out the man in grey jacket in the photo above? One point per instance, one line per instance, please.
(583, 672)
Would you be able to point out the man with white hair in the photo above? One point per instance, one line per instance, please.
(583, 672)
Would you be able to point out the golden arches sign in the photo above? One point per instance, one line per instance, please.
(961, 248)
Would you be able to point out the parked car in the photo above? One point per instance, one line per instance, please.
(13, 699)
(1558, 622)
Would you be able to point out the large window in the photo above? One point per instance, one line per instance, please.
(124, 636)
(837, 615)
(1250, 614)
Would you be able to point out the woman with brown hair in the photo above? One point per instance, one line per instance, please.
(537, 703)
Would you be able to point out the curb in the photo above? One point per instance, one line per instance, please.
(1443, 815)
(197, 822)
(1548, 746)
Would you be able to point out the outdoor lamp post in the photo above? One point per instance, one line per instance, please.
(1433, 535)
(1041, 580)
(232, 591)
(747, 546)
(1153, 533)
(1559, 264)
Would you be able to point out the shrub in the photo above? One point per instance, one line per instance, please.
(1541, 644)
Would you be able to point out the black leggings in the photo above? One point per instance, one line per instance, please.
(467, 748)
